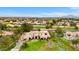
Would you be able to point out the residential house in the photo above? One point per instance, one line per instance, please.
(71, 35)
(37, 35)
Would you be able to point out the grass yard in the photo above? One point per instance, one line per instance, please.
(58, 44)
(53, 27)
(34, 46)
(39, 26)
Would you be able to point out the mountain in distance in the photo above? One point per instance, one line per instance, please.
(70, 16)
(64, 16)
(57, 16)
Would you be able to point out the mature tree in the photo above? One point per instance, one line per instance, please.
(26, 27)
(72, 24)
(48, 25)
(18, 30)
(76, 27)
(54, 21)
(3, 26)
(75, 41)
(59, 31)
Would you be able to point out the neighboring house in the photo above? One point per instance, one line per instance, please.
(71, 35)
(37, 35)
(43, 22)
(36, 22)
(63, 23)
(5, 33)
(29, 22)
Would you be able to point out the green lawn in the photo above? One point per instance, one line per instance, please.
(53, 27)
(39, 26)
(59, 44)
(34, 46)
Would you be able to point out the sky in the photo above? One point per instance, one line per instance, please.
(39, 11)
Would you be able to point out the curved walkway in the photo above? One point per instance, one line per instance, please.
(19, 43)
